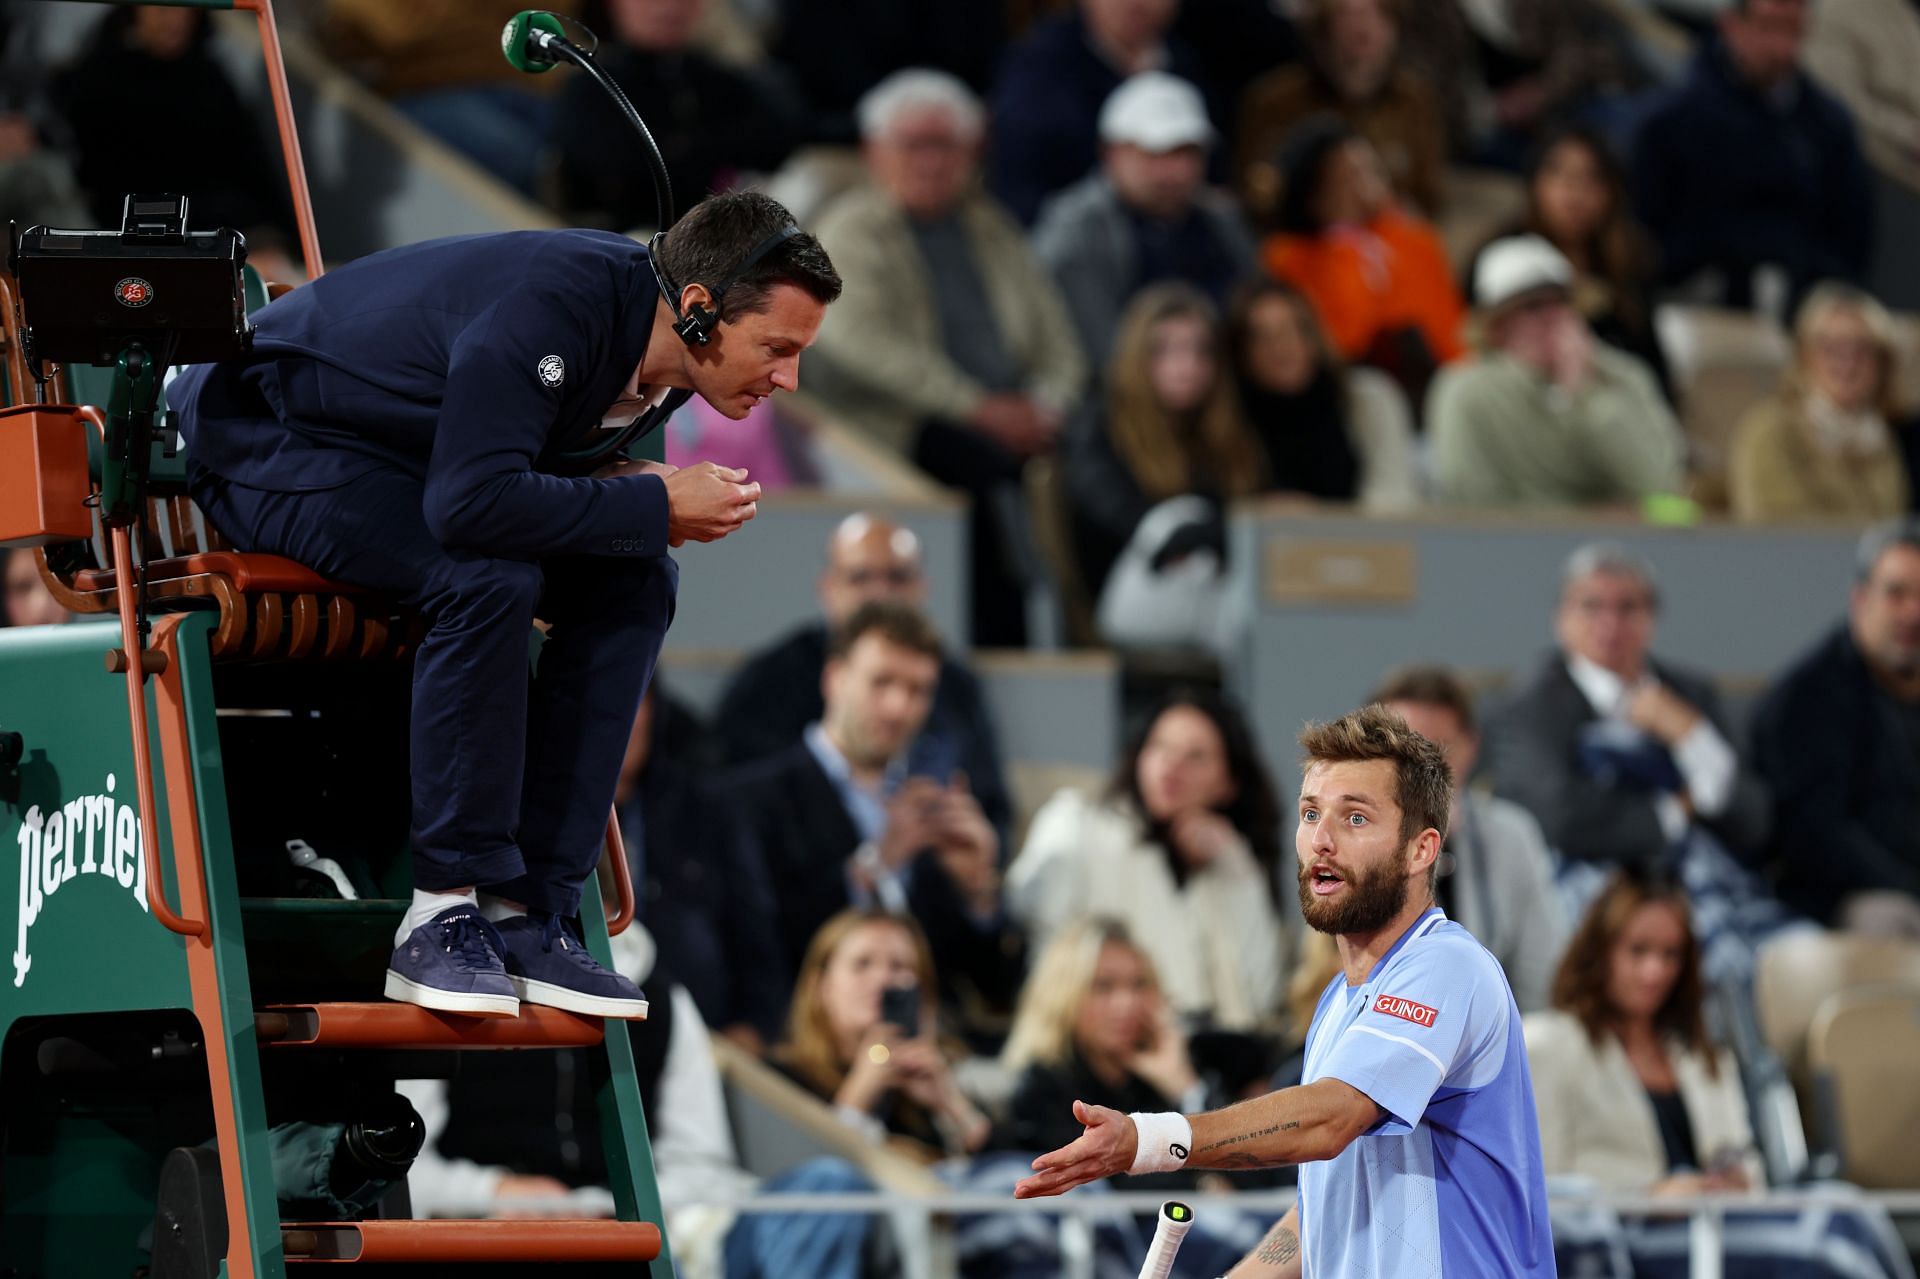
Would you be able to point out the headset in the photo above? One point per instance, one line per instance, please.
(695, 327)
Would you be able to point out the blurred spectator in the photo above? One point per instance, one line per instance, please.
(1864, 52)
(1618, 755)
(438, 62)
(880, 1077)
(1838, 739)
(1167, 435)
(27, 600)
(1353, 70)
(953, 343)
(1496, 875)
(1632, 1094)
(776, 693)
(711, 121)
(516, 1134)
(1577, 201)
(1542, 63)
(774, 448)
(1750, 165)
(1184, 849)
(834, 51)
(1147, 215)
(1094, 1026)
(37, 186)
(1328, 430)
(1237, 42)
(151, 109)
(1825, 446)
(1547, 416)
(838, 817)
(703, 897)
(1052, 84)
(1378, 276)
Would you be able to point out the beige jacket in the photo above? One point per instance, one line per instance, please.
(1597, 1122)
(1866, 52)
(1217, 942)
(879, 362)
(1779, 470)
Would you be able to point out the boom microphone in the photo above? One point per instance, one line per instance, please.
(534, 40)
(1175, 1220)
(528, 40)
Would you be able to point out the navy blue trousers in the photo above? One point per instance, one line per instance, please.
(513, 775)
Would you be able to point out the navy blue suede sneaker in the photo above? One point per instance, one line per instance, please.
(452, 962)
(548, 965)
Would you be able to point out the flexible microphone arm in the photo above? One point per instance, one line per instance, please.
(534, 40)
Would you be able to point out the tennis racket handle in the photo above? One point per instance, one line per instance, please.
(1175, 1220)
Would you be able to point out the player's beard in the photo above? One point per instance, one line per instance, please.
(1372, 899)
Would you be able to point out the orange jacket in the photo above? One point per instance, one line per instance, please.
(1365, 281)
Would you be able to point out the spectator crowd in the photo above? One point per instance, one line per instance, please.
(1121, 263)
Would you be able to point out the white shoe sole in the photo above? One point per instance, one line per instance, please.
(552, 996)
(450, 1001)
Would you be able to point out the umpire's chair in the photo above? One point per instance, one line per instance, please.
(180, 996)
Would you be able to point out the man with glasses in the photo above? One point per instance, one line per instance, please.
(1627, 760)
(777, 693)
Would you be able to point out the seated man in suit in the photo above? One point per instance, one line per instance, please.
(841, 816)
(445, 423)
(776, 694)
(1838, 737)
(703, 895)
(1625, 760)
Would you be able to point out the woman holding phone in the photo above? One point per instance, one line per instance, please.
(1630, 1091)
(861, 1035)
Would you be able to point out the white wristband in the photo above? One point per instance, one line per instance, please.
(1164, 1139)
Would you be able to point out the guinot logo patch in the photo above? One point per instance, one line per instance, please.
(1405, 1009)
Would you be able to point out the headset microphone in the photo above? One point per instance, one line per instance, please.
(1175, 1220)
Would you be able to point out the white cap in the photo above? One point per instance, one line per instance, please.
(1156, 112)
(1516, 266)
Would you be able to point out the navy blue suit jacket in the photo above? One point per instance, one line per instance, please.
(480, 364)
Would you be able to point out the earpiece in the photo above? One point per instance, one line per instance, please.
(696, 325)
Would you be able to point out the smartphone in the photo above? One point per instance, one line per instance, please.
(900, 1006)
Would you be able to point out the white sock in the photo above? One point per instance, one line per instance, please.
(425, 906)
(497, 909)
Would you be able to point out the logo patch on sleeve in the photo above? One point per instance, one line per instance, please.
(1405, 1009)
(553, 370)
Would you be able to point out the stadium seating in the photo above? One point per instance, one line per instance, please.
(1862, 1048)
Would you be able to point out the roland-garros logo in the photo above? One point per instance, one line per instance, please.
(1405, 1009)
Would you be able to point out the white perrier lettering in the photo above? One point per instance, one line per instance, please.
(87, 835)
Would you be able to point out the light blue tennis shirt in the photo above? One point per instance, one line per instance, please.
(1450, 1181)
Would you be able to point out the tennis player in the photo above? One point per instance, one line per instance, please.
(1414, 1125)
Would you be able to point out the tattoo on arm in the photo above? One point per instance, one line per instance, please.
(1279, 1247)
(1248, 1136)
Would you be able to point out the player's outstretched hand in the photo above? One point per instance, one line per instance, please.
(1104, 1149)
(707, 501)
